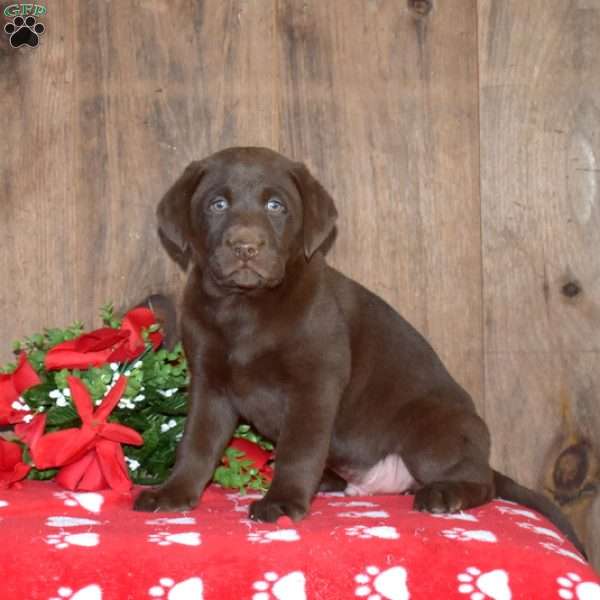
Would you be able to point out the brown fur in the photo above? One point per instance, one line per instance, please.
(316, 362)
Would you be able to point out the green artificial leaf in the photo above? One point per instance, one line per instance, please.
(42, 475)
(145, 407)
(62, 416)
(175, 405)
(107, 314)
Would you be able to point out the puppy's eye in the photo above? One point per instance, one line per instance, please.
(219, 205)
(275, 206)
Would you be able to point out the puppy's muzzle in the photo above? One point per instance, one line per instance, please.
(245, 243)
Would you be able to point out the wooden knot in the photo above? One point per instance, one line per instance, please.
(571, 472)
(421, 7)
(571, 289)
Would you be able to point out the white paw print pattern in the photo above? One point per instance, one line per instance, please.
(455, 517)
(354, 504)
(242, 504)
(287, 587)
(369, 514)
(66, 540)
(91, 501)
(62, 521)
(479, 586)
(562, 551)
(172, 521)
(541, 530)
(89, 592)
(571, 587)
(517, 512)
(164, 538)
(385, 532)
(375, 584)
(468, 535)
(189, 589)
(280, 535)
(3, 503)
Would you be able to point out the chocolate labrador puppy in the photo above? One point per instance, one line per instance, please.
(354, 397)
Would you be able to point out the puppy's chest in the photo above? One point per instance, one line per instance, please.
(256, 381)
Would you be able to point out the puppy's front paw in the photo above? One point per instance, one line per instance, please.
(165, 499)
(442, 497)
(270, 510)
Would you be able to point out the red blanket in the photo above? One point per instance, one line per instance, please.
(91, 546)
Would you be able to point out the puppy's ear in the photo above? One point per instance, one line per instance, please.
(319, 210)
(173, 214)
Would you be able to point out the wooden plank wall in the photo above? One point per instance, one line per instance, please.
(540, 147)
(383, 100)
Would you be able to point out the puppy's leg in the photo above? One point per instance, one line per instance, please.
(332, 482)
(209, 426)
(301, 452)
(447, 453)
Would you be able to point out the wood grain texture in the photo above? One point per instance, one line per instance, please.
(379, 101)
(540, 147)
(97, 122)
(382, 105)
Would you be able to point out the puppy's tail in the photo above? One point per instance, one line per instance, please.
(510, 490)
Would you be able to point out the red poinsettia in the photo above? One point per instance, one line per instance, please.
(12, 467)
(105, 345)
(12, 385)
(30, 433)
(91, 456)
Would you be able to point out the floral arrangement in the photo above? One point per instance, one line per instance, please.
(107, 408)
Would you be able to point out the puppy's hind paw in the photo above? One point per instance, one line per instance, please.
(164, 500)
(443, 497)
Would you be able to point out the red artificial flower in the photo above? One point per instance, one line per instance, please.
(12, 467)
(12, 385)
(30, 433)
(254, 453)
(135, 321)
(100, 468)
(105, 345)
(91, 453)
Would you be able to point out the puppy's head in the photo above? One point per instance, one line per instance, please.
(242, 214)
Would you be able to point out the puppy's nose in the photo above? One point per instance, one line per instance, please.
(245, 242)
(246, 250)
